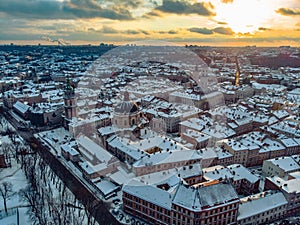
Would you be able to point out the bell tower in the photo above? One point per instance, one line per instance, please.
(70, 103)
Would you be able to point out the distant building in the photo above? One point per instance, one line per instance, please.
(203, 102)
(292, 145)
(96, 161)
(254, 148)
(280, 166)
(42, 114)
(89, 126)
(22, 109)
(70, 153)
(224, 157)
(289, 187)
(124, 152)
(165, 160)
(262, 208)
(197, 139)
(238, 150)
(241, 178)
(2, 161)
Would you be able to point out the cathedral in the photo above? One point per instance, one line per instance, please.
(127, 116)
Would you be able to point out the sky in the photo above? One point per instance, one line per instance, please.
(202, 22)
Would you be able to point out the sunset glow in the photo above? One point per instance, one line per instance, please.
(208, 22)
(245, 16)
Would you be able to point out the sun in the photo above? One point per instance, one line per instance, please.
(245, 16)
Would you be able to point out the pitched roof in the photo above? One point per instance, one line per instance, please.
(197, 198)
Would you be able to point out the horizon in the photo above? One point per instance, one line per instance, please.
(116, 44)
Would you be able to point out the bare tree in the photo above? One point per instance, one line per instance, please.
(11, 134)
(33, 198)
(28, 195)
(91, 208)
(50, 199)
(6, 192)
(8, 152)
(1, 120)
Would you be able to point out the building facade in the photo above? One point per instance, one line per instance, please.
(187, 206)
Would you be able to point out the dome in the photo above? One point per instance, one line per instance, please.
(126, 107)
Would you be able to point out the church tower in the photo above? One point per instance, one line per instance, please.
(70, 104)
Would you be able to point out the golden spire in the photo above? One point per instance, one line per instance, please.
(237, 73)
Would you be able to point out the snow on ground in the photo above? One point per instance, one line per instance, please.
(4, 125)
(17, 208)
(16, 176)
(10, 220)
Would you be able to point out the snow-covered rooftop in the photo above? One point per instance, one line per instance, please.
(257, 204)
(149, 193)
(206, 196)
(285, 163)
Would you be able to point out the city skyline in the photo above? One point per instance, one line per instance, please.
(214, 22)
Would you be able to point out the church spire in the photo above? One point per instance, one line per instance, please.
(237, 73)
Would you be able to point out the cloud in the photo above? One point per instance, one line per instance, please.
(108, 30)
(264, 29)
(288, 12)
(92, 29)
(132, 3)
(145, 32)
(91, 9)
(167, 32)
(223, 30)
(217, 30)
(133, 32)
(152, 14)
(246, 34)
(227, 1)
(52, 26)
(184, 7)
(41, 9)
(201, 30)
(172, 32)
(49, 9)
(222, 23)
(297, 24)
